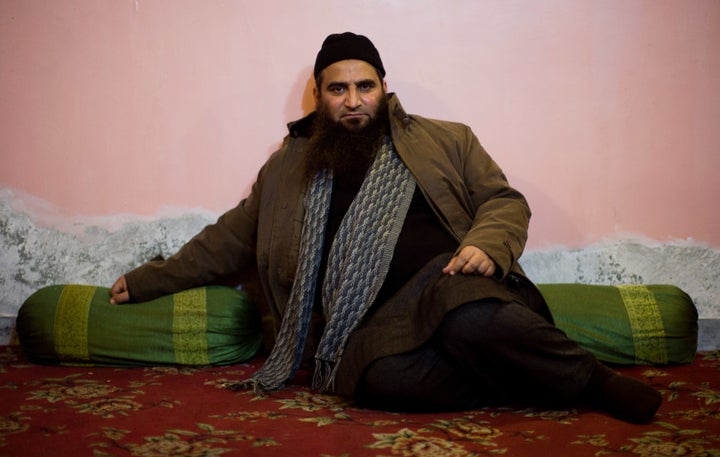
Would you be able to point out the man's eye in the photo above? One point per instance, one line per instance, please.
(337, 90)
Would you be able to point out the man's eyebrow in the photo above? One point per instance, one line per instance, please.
(345, 84)
(366, 82)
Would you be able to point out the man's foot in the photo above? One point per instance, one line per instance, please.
(623, 397)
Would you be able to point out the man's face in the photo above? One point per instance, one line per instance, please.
(351, 92)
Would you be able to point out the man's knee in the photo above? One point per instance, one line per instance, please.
(476, 323)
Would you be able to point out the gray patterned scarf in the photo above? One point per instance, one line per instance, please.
(357, 265)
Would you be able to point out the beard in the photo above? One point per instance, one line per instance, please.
(346, 152)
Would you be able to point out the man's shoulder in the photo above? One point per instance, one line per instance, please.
(432, 126)
(438, 131)
(301, 127)
(441, 124)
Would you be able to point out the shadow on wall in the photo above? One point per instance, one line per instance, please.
(300, 101)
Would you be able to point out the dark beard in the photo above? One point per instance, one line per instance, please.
(347, 153)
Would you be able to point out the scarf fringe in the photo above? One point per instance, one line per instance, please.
(324, 376)
(252, 384)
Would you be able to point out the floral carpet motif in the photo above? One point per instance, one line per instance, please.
(180, 411)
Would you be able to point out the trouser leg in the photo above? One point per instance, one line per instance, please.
(484, 353)
(420, 380)
(495, 353)
(531, 359)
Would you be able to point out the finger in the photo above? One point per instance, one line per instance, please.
(474, 263)
(456, 264)
(450, 267)
(118, 299)
(470, 267)
(487, 268)
(119, 291)
(119, 286)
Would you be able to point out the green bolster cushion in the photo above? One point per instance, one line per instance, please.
(76, 324)
(628, 324)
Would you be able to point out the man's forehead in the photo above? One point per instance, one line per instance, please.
(349, 71)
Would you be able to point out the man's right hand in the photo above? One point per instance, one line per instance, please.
(119, 292)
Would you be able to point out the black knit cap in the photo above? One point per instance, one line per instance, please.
(344, 46)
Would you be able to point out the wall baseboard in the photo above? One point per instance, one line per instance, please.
(709, 335)
(7, 331)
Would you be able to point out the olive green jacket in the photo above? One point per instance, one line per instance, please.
(464, 186)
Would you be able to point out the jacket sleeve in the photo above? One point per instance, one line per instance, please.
(219, 251)
(501, 213)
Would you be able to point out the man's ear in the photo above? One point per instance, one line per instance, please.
(384, 84)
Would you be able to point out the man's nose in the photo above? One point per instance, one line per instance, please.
(352, 99)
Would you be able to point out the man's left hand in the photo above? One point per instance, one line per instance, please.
(471, 260)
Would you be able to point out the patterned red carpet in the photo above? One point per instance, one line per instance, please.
(178, 411)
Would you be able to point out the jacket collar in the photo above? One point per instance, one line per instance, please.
(397, 111)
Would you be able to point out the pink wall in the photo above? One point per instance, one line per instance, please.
(605, 114)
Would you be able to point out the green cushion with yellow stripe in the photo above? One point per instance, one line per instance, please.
(627, 324)
(76, 324)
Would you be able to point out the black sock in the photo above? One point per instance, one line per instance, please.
(624, 398)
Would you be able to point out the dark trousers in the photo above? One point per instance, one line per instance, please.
(483, 354)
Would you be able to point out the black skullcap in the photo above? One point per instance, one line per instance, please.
(344, 46)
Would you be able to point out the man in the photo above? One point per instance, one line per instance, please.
(386, 245)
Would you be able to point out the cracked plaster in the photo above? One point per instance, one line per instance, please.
(32, 256)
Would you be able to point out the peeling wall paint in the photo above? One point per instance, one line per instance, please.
(693, 268)
(33, 257)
